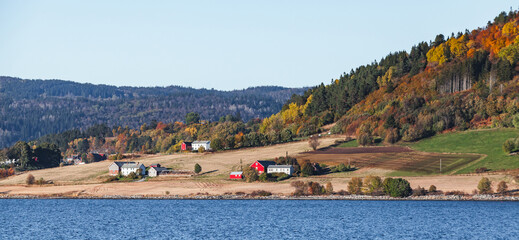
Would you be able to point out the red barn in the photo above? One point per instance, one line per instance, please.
(236, 175)
(261, 166)
(185, 146)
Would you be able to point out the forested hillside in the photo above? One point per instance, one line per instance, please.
(466, 80)
(30, 109)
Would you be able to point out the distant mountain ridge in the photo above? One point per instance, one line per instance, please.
(32, 108)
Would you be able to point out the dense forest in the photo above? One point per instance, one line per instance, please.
(30, 109)
(466, 80)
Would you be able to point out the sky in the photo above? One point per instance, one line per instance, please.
(221, 44)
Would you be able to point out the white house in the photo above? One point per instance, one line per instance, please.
(132, 167)
(155, 171)
(197, 144)
(288, 169)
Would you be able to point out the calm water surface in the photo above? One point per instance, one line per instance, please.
(256, 219)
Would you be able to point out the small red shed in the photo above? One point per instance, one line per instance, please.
(261, 166)
(236, 175)
(185, 146)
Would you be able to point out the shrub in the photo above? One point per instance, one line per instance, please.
(329, 188)
(250, 174)
(397, 187)
(198, 168)
(40, 181)
(372, 184)
(355, 185)
(343, 192)
(307, 169)
(260, 193)
(456, 192)
(263, 177)
(502, 187)
(485, 186)
(283, 177)
(132, 175)
(511, 145)
(419, 191)
(30, 179)
(432, 189)
(167, 192)
(308, 188)
(201, 149)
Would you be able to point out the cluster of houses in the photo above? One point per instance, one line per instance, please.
(268, 166)
(76, 159)
(194, 146)
(154, 170)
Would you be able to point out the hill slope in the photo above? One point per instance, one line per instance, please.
(32, 108)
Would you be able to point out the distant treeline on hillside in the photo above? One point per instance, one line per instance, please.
(30, 109)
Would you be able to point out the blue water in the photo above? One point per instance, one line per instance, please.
(256, 219)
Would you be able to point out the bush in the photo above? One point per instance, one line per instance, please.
(329, 188)
(309, 188)
(260, 193)
(201, 149)
(372, 184)
(355, 185)
(511, 145)
(132, 175)
(432, 189)
(30, 179)
(40, 181)
(250, 174)
(397, 187)
(485, 186)
(198, 168)
(343, 193)
(419, 191)
(502, 187)
(263, 177)
(282, 177)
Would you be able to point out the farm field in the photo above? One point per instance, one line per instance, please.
(214, 165)
(402, 161)
(487, 142)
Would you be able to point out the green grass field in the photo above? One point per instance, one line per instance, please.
(487, 141)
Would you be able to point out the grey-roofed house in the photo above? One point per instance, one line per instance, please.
(156, 171)
(115, 167)
(288, 169)
(128, 168)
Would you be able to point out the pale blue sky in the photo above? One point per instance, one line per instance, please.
(219, 44)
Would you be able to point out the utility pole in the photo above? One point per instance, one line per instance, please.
(440, 165)
(241, 165)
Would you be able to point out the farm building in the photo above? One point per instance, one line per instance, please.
(261, 166)
(128, 168)
(236, 175)
(156, 171)
(197, 144)
(115, 167)
(185, 146)
(288, 169)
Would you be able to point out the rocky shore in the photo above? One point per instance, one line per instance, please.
(276, 197)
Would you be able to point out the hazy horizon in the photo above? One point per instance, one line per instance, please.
(222, 45)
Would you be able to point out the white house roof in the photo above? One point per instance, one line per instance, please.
(132, 165)
(236, 173)
(279, 166)
(201, 142)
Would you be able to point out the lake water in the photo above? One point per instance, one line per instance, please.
(256, 219)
